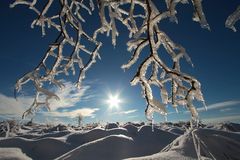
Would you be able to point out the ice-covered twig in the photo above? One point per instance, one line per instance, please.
(232, 19)
(171, 5)
(199, 15)
(146, 36)
(180, 94)
(45, 74)
(5, 128)
(9, 128)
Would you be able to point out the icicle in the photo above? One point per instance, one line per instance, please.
(205, 106)
(165, 118)
(152, 123)
(176, 110)
(164, 95)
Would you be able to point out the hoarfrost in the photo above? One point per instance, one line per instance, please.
(232, 19)
(145, 36)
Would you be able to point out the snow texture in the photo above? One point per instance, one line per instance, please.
(12, 154)
(129, 141)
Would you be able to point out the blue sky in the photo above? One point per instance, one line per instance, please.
(215, 55)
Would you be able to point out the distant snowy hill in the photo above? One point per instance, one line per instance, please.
(129, 141)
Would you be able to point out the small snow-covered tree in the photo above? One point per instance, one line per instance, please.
(146, 37)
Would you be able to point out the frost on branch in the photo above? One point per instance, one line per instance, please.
(184, 88)
(155, 38)
(4, 129)
(146, 37)
(45, 75)
(198, 14)
(9, 128)
(232, 19)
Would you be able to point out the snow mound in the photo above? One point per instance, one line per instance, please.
(47, 148)
(29, 136)
(94, 134)
(12, 154)
(165, 141)
(53, 134)
(221, 144)
(131, 129)
(231, 127)
(214, 144)
(59, 127)
(112, 144)
(171, 155)
(113, 131)
(109, 147)
(111, 126)
(149, 142)
(176, 130)
(136, 124)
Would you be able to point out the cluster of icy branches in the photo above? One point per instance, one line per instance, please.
(4, 128)
(9, 128)
(44, 74)
(144, 32)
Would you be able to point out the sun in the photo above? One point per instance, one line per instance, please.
(113, 101)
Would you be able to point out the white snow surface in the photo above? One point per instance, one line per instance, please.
(130, 141)
(12, 154)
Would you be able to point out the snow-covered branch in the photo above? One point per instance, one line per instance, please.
(232, 19)
(145, 36)
(184, 88)
(45, 74)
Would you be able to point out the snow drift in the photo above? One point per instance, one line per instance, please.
(112, 142)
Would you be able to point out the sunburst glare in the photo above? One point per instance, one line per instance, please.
(114, 101)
